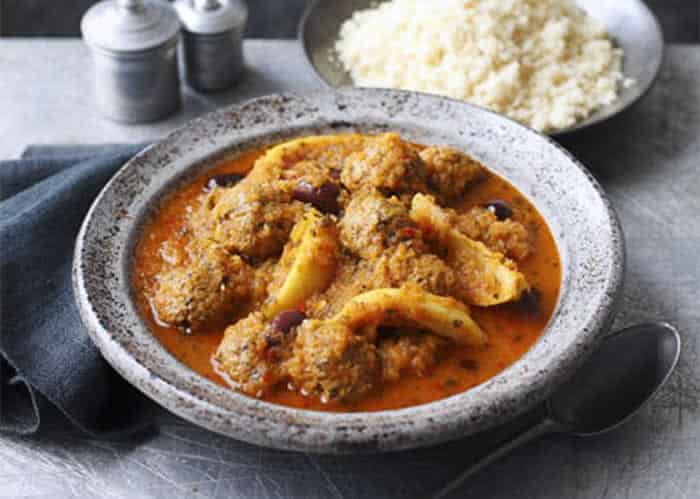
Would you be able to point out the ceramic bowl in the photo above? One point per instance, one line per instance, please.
(576, 209)
(631, 24)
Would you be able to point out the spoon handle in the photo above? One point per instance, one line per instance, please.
(540, 428)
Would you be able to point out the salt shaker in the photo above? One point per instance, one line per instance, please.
(212, 42)
(134, 48)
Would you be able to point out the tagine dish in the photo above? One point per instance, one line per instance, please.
(347, 273)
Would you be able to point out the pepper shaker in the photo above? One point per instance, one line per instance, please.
(212, 42)
(134, 49)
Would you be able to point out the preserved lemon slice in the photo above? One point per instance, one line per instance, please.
(489, 277)
(444, 316)
(310, 257)
(332, 149)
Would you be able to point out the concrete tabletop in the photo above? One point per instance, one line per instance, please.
(46, 94)
(648, 159)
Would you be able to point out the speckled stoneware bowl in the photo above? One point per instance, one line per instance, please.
(580, 216)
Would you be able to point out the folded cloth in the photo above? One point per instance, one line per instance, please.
(46, 356)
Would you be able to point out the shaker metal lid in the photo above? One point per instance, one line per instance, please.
(130, 25)
(209, 17)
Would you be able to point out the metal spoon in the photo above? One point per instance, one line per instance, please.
(624, 373)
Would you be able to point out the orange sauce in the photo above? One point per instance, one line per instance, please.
(511, 329)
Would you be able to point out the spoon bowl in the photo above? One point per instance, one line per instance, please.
(626, 371)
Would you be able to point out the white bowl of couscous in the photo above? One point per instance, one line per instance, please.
(553, 65)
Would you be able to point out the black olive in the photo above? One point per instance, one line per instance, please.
(225, 180)
(325, 198)
(287, 320)
(530, 302)
(328, 198)
(304, 192)
(186, 326)
(500, 208)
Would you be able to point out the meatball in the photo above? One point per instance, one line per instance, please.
(505, 236)
(201, 223)
(449, 171)
(409, 353)
(332, 361)
(255, 219)
(510, 238)
(372, 223)
(386, 163)
(353, 276)
(252, 352)
(206, 289)
(404, 265)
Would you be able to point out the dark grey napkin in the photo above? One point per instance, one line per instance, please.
(46, 356)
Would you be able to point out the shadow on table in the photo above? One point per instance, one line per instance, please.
(417, 473)
(181, 454)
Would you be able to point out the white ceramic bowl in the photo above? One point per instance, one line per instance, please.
(633, 27)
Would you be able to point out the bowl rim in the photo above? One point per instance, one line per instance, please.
(299, 429)
(595, 119)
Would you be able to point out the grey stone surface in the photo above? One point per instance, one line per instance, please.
(648, 159)
(46, 93)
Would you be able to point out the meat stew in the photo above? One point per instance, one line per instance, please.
(347, 273)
